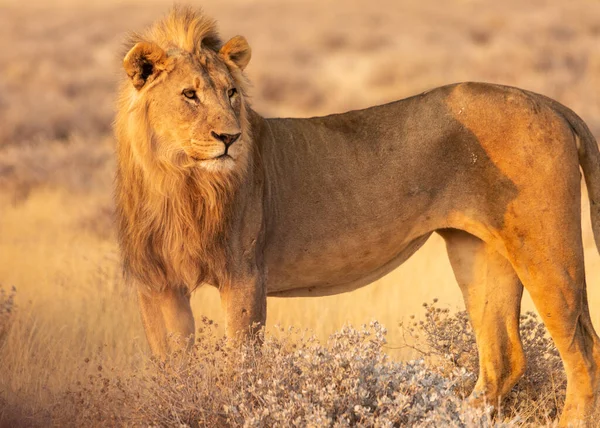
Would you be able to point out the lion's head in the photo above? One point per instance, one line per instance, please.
(184, 144)
(187, 90)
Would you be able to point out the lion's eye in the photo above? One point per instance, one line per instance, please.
(189, 93)
(231, 92)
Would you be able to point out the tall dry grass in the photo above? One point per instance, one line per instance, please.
(58, 72)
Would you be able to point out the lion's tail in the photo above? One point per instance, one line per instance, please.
(589, 159)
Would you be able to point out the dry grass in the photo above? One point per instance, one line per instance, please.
(447, 341)
(300, 382)
(59, 67)
(293, 379)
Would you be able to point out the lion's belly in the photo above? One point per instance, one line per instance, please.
(339, 240)
(322, 279)
(345, 254)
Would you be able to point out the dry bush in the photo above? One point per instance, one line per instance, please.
(7, 307)
(448, 342)
(291, 380)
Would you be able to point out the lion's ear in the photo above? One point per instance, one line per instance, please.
(236, 51)
(144, 62)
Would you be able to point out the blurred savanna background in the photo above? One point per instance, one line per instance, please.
(60, 63)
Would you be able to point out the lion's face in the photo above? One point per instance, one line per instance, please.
(194, 103)
(196, 110)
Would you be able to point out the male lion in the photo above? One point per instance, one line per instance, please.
(208, 191)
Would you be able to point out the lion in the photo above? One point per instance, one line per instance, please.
(210, 192)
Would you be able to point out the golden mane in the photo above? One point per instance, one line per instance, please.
(176, 238)
(184, 28)
(173, 220)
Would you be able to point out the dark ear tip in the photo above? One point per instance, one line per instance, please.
(147, 69)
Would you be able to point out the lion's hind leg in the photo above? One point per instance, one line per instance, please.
(492, 293)
(551, 268)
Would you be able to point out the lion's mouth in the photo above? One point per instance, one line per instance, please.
(224, 156)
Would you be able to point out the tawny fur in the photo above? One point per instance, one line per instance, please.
(208, 191)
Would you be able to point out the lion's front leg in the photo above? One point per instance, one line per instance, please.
(168, 319)
(245, 305)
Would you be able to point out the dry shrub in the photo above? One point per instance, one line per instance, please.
(75, 165)
(291, 380)
(447, 341)
(7, 307)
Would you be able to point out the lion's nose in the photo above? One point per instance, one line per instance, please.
(227, 139)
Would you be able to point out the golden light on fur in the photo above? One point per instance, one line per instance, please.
(172, 213)
(184, 28)
(208, 191)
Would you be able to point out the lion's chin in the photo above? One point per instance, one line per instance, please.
(222, 163)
